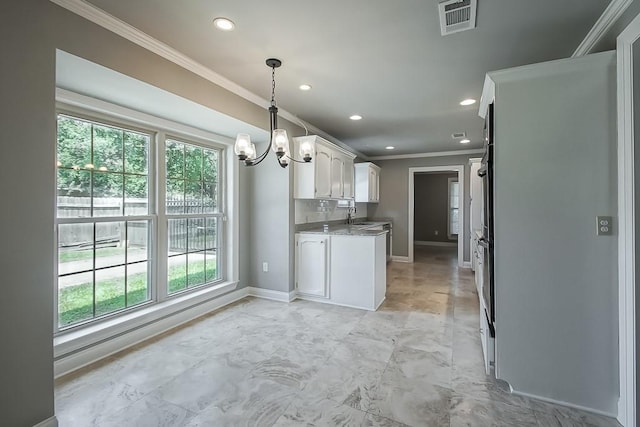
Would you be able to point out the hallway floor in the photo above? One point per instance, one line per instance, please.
(417, 361)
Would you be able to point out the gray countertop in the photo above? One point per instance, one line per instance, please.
(344, 230)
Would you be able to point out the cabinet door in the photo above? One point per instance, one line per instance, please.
(337, 177)
(348, 179)
(323, 172)
(373, 185)
(311, 265)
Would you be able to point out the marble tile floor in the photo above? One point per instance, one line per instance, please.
(415, 362)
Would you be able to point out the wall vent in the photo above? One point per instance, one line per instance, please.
(457, 15)
(458, 135)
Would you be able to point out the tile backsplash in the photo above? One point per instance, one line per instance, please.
(308, 211)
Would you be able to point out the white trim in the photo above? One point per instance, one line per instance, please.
(144, 40)
(452, 168)
(610, 15)
(432, 154)
(487, 97)
(466, 264)
(100, 350)
(271, 294)
(627, 415)
(474, 160)
(114, 111)
(429, 243)
(562, 403)
(49, 422)
(397, 258)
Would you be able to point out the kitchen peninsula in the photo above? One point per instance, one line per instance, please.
(343, 265)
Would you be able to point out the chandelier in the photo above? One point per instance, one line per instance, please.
(279, 141)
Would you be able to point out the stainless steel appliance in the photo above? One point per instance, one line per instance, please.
(486, 242)
(387, 227)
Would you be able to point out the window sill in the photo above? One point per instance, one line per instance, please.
(72, 341)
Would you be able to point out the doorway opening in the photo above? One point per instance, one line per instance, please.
(436, 208)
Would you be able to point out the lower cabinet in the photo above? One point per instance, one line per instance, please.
(312, 264)
(343, 270)
(358, 274)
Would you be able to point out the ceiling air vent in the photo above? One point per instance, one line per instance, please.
(459, 135)
(457, 15)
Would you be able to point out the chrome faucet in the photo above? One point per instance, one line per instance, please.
(350, 217)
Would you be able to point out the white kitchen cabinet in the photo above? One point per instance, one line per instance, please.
(348, 186)
(337, 177)
(358, 273)
(342, 269)
(312, 264)
(328, 176)
(322, 178)
(367, 180)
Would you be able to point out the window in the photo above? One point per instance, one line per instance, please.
(116, 251)
(193, 214)
(103, 219)
(454, 205)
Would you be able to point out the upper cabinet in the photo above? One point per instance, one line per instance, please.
(367, 179)
(329, 175)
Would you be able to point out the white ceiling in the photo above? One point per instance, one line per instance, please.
(383, 59)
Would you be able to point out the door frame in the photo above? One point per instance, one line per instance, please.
(626, 227)
(451, 168)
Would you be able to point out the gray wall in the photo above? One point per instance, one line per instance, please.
(431, 207)
(636, 122)
(394, 196)
(556, 281)
(32, 30)
(27, 121)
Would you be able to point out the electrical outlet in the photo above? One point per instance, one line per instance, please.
(265, 267)
(604, 225)
(435, 232)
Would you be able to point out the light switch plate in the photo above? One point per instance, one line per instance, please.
(604, 225)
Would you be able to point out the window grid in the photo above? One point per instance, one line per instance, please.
(453, 225)
(191, 211)
(208, 209)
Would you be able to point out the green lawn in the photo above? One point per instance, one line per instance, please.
(77, 255)
(75, 303)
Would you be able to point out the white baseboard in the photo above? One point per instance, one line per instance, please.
(400, 258)
(84, 357)
(466, 264)
(428, 243)
(49, 422)
(562, 403)
(271, 294)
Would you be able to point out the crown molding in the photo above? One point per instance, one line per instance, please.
(144, 40)
(610, 15)
(433, 154)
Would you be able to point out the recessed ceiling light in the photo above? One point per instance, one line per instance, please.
(224, 24)
(356, 117)
(305, 87)
(469, 101)
(465, 141)
(390, 147)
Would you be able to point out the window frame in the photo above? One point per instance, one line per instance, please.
(164, 217)
(69, 338)
(450, 208)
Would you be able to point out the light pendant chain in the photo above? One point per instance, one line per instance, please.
(273, 86)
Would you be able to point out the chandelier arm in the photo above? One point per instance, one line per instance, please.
(273, 121)
(292, 159)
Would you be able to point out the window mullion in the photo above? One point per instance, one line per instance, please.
(162, 244)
